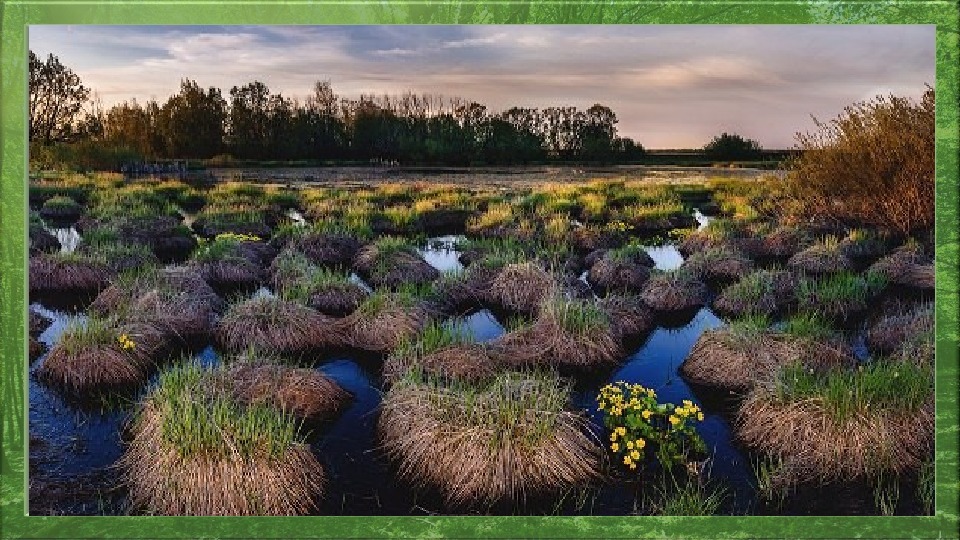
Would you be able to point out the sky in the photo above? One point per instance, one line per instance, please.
(670, 86)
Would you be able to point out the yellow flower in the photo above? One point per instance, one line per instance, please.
(629, 445)
(615, 447)
(651, 393)
(627, 460)
(635, 454)
(687, 403)
(621, 430)
(613, 436)
(674, 420)
(633, 466)
(700, 416)
(641, 443)
(646, 414)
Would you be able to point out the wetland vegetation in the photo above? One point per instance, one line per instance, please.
(605, 346)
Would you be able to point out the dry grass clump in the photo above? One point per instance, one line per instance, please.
(61, 207)
(68, 272)
(179, 315)
(720, 263)
(629, 317)
(904, 327)
(443, 351)
(864, 245)
(763, 292)
(739, 357)
(279, 326)
(391, 262)
(568, 333)
(327, 249)
(384, 320)
(674, 290)
(610, 273)
(521, 287)
(719, 232)
(908, 266)
(226, 263)
(92, 357)
(842, 424)
(779, 244)
(328, 291)
(303, 392)
(196, 450)
(462, 291)
(824, 257)
(174, 280)
(337, 299)
(507, 439)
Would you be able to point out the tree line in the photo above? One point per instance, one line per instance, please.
(252, 123)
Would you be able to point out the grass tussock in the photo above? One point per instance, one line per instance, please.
(612, 273)
(521, 288)
(763, 292)
(823, 257)
(225, 262)
(386, 319)
(392, 262)
(196, 450)
(841, 295)
(845, 423)
(442, 351)
(509, 438)
(906, 328)
(567, 334)
(907, 266)
(629, 317)
(277, 326)
(65, 272)
(303, 392)
(92, 358)
(747, 353)
(721, 263)
(675, 290)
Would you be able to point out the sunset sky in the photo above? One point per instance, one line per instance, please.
(670, 86)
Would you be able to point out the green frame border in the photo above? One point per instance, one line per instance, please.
(16, 16)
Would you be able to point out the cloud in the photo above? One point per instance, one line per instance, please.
(669, 85)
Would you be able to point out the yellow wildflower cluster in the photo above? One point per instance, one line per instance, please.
(238, 237)
(688, 410)
(635, 419)
(126, 343)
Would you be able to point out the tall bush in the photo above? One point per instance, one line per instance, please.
(873, 165)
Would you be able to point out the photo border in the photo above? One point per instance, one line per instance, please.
(15, 17)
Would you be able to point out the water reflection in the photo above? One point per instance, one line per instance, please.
(68, 237)
(441, 253)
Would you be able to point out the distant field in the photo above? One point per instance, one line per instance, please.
(486, 176)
